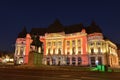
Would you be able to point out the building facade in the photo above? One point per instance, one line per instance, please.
(22, 49)
(72, 45)
(101, 51)
(65, 49)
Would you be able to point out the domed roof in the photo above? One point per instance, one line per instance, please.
(73, 28)
(93, 28)
(23, 33)
(55, 27)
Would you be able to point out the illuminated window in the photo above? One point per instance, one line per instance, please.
(79, 50)
(99, 50)
(92, 51)
(68, 43)
(54, 43)
(59, 51)
(21, 51)
(91, 43)
(68, 51)
(59, 43)
(92, 61)
(54, 51)
(73, 60)
(98, 43)
(79, 42)
(99, 60)
(49, 43)
(79, 60)
(49, 51)
(73, 42)
(68, 60)
(73, 50)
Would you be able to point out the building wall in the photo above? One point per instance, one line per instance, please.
(22, 49)
(65, 49)
(80, 49)
(101, 51)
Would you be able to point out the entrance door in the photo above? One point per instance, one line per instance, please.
(73, 60)
(92, 61)
(68, 60)
(99, 60)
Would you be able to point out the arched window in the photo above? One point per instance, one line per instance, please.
(92, 51)
(99, 50)
(73, 42)
(79, 43)
(54, 51)
(79, 60)
(73, 60)
(68, 43)
(59, 51)
(73, 50)
(79, 50)
(49, 51)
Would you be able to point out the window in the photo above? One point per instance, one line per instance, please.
(54, 51)
(49, 51)
(73, 42)
(79, 43)
(21, 51)
(68, 43)
(92, 51)
(73, 50)
(92, 61)
(79, 60)
(68, 53)
(99, 50)
(68, 60)
(99, 60)
(59, 43)
(49, 43)
(79, 50)
(73, 60)
(54, 43)
(98, 43)
(91, 43)
(59, 51)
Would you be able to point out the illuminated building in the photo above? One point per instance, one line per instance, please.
(100, 50)
(65, 49)
(69, 45)
(22, 47)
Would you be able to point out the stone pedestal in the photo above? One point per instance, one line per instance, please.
(31, 58)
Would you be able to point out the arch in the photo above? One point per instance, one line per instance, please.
(73, 60)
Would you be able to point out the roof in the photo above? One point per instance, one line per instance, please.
(93, 28)
(38, 31)
(73, 28)
(23, 33)
(55, 27)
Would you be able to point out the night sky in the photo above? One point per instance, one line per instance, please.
(15, 14)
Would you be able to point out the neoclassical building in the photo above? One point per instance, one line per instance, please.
(69, 45)
(65, 49)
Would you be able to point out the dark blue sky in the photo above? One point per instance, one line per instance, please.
(14, 14)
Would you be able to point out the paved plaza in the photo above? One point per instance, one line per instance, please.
(38, 74)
